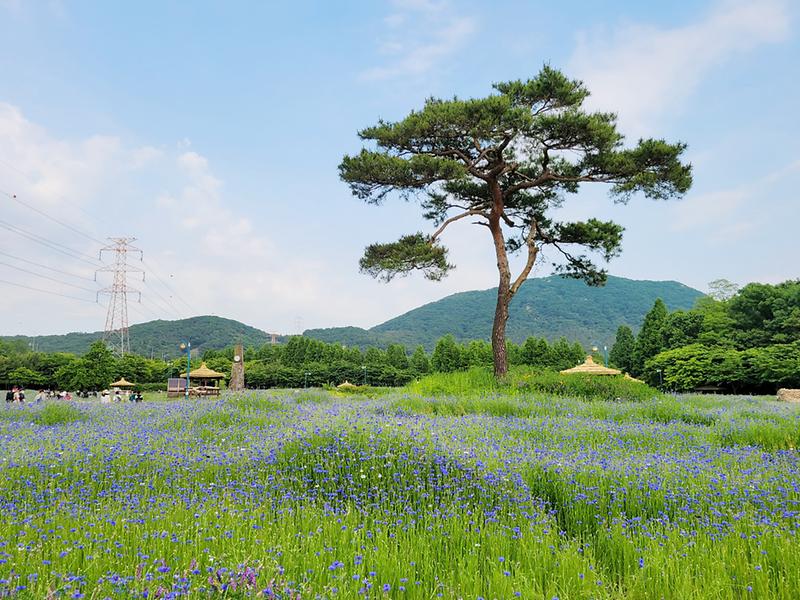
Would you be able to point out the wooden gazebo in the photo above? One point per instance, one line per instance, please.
(589, 367)
(204, 381)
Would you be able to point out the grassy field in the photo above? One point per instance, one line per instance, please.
(309, 493)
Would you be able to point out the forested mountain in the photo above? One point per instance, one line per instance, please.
(160, 338)
(549, 307)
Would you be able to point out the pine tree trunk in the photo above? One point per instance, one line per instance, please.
(503, 288)
(499, 331)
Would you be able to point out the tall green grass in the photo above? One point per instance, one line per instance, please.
(293, 486)
(478, 382)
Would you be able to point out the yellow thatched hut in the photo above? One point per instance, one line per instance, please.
(589, 367)
(205, 381)
(122, 383)
(627, 376)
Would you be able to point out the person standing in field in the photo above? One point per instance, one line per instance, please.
(10, 395)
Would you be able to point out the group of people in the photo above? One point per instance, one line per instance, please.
(16, 395)
(118, 396)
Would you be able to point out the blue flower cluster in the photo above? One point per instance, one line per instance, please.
(260, 495)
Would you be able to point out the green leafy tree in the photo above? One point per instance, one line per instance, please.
(687, 368)
(536, 352)
(374, 356)
(650, 340)
(717, 325)
(97, 368)
(682, 328)
(420, 364)
(506, 162)
(132, 367)
(771, 367)
(478, 353)
(26, 377)
(564, 355)
(397, 357)
(765, 314)
(446, 356)
(624, 348)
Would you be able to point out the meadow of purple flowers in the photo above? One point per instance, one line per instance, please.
(309, 495)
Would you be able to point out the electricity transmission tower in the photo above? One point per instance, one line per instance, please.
(116, 329)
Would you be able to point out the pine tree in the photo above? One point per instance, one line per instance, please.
(446, 355)
(651, 336)
(622, 352)
(396, 356)
(507, 162)
(420, 363)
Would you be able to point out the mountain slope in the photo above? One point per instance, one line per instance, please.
(161, 338)
(547, 307)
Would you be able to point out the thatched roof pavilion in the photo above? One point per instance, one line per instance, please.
(121, 383)
(203, 372)
(589, 367)
(206, 378)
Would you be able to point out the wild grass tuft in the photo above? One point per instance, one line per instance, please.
(55, 413)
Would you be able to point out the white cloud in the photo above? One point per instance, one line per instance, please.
(53, 169)
(726, 215)
(421, 34)
(642, 71)
(211, 248)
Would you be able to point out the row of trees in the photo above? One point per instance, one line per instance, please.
(95, 370)
(306, 361)
(301, 361)
(745, 340)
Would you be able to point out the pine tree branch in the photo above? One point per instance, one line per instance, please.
(463, 215)
(533, 252)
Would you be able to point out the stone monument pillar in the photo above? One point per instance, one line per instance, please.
(237, 369)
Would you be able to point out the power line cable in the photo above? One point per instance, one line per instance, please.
(41, 266)
(52, 218)
(167, 303)
(141, 308)
(27, 287)
(151, 269)
(91, 238)
(50, 245)
(46, 277)
(31, 179)
(167, 286)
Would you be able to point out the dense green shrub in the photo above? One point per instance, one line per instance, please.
(687, 368)
(756, 370)
(523, 380)
(586, 387)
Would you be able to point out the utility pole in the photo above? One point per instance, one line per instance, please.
(115, 333)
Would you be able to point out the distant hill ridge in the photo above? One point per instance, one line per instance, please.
(548, 307)
(161, 338)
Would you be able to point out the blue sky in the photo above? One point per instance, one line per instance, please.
(212, 132)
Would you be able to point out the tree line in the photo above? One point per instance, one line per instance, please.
(739, 341)
(300, 362)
